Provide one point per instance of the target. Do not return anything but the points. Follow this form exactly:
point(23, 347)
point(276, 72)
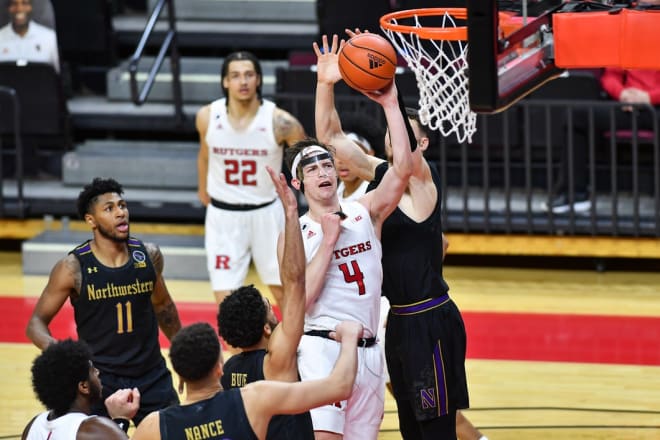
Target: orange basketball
point(367, 62)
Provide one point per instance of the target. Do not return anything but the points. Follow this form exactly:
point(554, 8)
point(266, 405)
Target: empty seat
point(44, 119)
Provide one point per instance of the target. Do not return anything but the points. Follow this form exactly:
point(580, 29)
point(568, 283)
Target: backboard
point(509, 58)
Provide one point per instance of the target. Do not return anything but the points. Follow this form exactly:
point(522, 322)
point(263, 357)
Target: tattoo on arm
point(283, 126)
point(168, 319)
point(156, 257)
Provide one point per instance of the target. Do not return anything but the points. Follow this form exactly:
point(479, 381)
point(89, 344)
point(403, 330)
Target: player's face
point(95, 385)
point(344, 172)
point(388, 143)
point(271, 318)
point(111, 217)
point(320, 177)
point(242, 80)
point(20, 12)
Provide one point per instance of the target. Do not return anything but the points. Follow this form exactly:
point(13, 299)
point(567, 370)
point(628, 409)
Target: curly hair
point(242, 317)
point(195, 350)
point(57, 371)
point(90, 192)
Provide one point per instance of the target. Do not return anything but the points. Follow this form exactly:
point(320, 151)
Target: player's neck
point(317, 209)
point(240, 109)
point(202, 390)
point(109, 252)
point(351, 186)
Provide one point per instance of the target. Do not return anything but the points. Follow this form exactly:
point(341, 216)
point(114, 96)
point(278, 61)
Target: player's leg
point(465, 430)
point(225, 241)
point(316, 358)
point(366, 405)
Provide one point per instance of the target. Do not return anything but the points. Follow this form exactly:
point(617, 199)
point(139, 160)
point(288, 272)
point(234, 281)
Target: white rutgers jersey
point(237, 160)
point(354, 277)
point(61, 428)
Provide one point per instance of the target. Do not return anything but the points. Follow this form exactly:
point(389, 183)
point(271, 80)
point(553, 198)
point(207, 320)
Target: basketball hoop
point(440, 66)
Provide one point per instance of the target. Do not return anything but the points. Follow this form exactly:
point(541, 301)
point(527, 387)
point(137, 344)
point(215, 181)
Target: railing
point(499, 183)
point(169, 43)
point(19, 155)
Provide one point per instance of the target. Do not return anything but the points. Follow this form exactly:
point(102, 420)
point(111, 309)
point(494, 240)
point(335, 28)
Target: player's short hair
point(242, 317)
point(195, 350)
point(88, 196)
point(413, 114)
point(241, 55)
point(57, 371)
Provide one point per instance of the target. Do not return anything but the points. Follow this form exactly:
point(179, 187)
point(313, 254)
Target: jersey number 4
point(128, 328)
point(240, 172)
point(356, 277)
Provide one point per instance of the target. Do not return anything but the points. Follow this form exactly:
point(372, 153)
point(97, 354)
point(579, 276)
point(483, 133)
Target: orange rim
point(457, 33)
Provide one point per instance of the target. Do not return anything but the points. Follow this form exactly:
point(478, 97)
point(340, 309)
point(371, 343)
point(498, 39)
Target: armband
point(122, 423)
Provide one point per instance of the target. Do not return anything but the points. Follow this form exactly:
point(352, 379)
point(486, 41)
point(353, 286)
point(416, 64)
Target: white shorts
point(382, 322)
point(233, 238)
point(359, 417)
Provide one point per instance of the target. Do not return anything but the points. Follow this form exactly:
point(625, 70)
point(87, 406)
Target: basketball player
point(413, 283)
point(343, 276)
point(241, 413)
point(115, 285)
point(67, 383)
point(239, 135)
point(268, 349)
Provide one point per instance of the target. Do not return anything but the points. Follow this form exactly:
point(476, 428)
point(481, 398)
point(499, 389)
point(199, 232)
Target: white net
point(440, 69)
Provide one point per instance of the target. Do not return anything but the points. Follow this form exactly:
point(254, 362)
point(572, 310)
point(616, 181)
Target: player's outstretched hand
point(327, 67)
point(284, 192)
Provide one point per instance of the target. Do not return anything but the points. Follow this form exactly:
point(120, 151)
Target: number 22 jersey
point(237, 159)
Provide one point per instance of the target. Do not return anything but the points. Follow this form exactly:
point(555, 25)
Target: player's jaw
point(119, 231)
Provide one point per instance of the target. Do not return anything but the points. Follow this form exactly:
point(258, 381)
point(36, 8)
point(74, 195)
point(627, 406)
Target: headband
point(304, 152)
point(362, 142)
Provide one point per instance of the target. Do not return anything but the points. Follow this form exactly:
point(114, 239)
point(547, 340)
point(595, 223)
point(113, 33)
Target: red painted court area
point(491, 335)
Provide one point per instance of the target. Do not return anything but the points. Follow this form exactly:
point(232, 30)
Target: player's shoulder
point(96, 427)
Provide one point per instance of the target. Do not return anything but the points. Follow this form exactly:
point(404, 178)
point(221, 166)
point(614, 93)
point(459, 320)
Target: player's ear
point(296, 183)
point(83, 387)
point(423, 143)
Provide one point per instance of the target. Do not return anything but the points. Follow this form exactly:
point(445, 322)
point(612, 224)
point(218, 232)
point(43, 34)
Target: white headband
point(304, 152)
point(362, 142)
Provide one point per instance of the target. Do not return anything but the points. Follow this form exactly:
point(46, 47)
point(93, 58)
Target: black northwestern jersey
point(114, 314)
point(244, 368)
point(219, 417)
point(408, 244)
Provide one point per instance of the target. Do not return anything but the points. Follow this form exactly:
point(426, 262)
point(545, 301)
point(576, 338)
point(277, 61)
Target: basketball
point(367, 62)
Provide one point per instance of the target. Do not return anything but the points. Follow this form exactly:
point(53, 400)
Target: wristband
point(122, 423)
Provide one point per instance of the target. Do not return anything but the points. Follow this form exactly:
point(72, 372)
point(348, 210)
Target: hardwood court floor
point(552, 354)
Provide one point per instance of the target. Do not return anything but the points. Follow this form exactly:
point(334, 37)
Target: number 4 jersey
point(114, 314)
point(237, 159)
point(353, 280)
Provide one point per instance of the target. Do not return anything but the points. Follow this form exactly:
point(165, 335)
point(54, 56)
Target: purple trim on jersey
point(440, 383)
point(84, 249)
point(419, 307)
point(133, 242)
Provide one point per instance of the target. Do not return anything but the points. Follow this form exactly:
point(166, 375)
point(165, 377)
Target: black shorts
point(425, 353)
point(156, 391)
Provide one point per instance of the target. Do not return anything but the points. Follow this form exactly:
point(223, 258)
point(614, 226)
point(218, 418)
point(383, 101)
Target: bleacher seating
point(44, 119)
